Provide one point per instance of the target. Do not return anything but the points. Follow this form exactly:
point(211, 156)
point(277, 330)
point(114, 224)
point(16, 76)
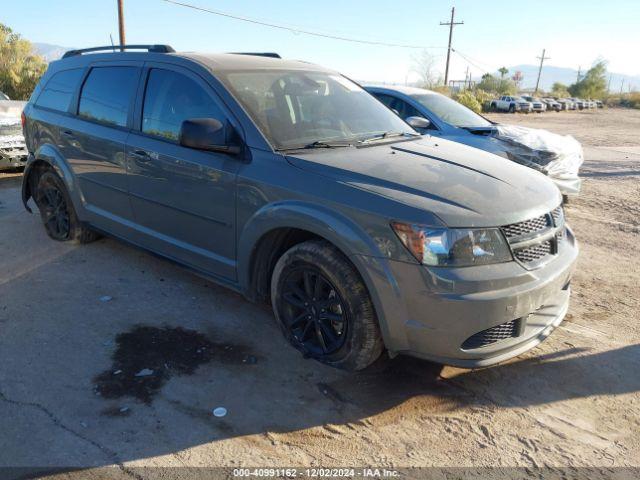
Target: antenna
point(113, 47)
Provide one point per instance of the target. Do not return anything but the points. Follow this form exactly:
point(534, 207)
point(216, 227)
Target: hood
point(463, 186)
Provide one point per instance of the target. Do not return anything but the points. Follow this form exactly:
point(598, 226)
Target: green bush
point(469, 100)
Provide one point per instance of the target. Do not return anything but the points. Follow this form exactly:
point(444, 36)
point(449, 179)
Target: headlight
point(453, 247)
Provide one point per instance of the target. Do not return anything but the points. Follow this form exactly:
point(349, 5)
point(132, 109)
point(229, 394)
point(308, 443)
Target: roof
point(212, 61)
point(232, 61)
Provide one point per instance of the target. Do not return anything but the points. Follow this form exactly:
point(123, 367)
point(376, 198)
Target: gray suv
point(287, 182)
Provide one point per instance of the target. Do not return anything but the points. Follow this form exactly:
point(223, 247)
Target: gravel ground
point(75, 324)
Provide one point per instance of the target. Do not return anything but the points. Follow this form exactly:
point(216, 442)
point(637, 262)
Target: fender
point(336, 228)
point(49, 154)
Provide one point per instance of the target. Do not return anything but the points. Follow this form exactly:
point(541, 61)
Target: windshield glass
point(297, 108)
point(450, 111)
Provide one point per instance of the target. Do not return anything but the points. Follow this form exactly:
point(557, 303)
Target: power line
point(450, 24)
point(295, 29)
point(471, 61)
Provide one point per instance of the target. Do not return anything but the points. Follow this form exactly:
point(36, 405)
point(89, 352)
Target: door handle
point(140, 155)
point(68, 134)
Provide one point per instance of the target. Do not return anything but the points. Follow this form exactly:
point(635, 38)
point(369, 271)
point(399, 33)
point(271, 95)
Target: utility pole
point(578, 77)
point(121, 24)
point(450, 24)
point(467, 75)
point(542, 59)
point(621, 86)
point(609, 83)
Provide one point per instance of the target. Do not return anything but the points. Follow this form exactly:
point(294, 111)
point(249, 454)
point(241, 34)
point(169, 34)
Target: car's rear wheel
point(512, 109)
point(56, 210)
point(324, 308)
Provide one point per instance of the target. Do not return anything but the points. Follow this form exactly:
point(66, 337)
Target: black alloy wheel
point(313, 312)
point(55, 212)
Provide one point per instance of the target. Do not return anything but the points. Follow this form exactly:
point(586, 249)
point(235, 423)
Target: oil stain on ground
point(146, 357)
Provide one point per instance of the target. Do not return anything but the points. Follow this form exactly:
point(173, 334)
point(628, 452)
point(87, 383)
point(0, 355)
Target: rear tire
point(512, 109)
point(56, 210)
point(324, 308)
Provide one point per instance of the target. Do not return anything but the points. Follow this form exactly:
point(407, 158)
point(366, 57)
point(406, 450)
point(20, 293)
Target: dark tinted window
point(386, 99)
point(106, 94)
point(172, 98)
point(59, 90)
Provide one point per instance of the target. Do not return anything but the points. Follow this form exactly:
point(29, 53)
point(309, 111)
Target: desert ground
point(72, 316)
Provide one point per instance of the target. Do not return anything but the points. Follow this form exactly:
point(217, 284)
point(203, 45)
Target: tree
point(424, 65)
point(593, 84)
point(500, 86)
point(559, 90)
point(503, 71)
point(20, 67)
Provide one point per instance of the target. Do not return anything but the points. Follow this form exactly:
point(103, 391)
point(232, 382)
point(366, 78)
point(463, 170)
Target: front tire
point(324, 308)
point(56, 210)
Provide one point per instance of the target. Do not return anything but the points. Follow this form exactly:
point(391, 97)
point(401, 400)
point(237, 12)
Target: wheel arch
point(276, 228)
point(47, 157)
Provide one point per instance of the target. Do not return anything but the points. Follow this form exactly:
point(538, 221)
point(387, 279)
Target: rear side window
point(106, 94)
point(172, 98)
point(59, 90)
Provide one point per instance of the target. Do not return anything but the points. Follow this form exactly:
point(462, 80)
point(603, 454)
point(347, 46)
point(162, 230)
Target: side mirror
point(207, 134)
point(418, 122)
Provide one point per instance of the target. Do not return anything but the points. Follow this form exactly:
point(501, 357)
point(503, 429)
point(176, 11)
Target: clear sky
point(495, 33)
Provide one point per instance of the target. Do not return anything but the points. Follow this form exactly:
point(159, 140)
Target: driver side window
point(170, 99)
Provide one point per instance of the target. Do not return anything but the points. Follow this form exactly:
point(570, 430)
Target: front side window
point(106, 95)
point(297, 108)
point(59, 90)
point(450, 111)
point(170, 99)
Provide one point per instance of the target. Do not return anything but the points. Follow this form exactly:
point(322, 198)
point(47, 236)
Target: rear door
point(94, 142)
point(183, 199)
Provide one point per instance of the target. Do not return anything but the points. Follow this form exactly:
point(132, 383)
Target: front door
point(183, 199)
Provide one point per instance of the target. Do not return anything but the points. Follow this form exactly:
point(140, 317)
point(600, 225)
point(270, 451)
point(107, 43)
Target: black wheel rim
point(313, 312)
point(56, 214)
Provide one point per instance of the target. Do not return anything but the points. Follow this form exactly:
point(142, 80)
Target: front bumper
point(13, 154)
point(440, 309)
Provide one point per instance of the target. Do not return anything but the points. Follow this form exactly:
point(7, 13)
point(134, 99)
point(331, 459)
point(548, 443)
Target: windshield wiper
point(385, 135)
point(323, 144)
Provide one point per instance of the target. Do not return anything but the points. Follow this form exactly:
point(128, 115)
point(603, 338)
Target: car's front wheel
point(57, 212)
point(324, 308)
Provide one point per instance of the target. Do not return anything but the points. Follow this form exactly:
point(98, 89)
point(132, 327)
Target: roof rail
point(116, 48)
point(258, 54)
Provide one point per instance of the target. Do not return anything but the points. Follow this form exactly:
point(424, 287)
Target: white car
point(512, 104)
point(537, 105)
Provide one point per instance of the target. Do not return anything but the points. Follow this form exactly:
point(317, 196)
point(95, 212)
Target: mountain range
point(551, 74)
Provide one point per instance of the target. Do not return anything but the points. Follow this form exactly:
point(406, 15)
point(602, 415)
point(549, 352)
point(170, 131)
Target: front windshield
point(294, 109)
point(450, 111)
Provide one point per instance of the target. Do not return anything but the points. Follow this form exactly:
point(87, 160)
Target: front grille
point(534, 252)
point(522, 237)
point(492, 335)
point(527, 227)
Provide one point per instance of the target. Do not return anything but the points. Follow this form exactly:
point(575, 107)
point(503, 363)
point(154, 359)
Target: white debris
point(219, 412)
point(145, 372)
point(559, 156)
point(106, 298)
point(117, 372)
point(124, 409)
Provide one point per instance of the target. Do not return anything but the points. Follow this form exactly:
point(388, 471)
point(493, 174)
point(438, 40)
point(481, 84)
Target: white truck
point(508, 103)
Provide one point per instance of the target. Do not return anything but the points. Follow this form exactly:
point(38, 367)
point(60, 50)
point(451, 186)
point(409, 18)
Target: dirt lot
point(71, 317)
